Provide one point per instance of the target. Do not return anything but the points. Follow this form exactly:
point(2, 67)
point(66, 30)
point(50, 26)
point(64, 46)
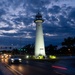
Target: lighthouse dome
point(39, 15)
point(38, 18)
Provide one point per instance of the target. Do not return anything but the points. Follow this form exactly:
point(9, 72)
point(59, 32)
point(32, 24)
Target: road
point(65, 66)
point(32, 68)
point(61, 67)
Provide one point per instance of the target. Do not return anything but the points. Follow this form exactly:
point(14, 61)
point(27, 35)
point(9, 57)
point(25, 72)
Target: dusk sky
point(17, 25)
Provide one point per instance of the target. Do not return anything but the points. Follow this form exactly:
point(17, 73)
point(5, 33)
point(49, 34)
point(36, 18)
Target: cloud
point(54, 10)
point(72, 14)
point(17, 18)
point(49, 35)
point(10, 31)
point(2, 12)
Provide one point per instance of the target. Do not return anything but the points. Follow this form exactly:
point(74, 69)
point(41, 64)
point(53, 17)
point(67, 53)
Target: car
point(15, 59)
point(4, 56)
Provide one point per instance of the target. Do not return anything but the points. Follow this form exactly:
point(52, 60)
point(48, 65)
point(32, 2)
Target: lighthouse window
point(41, 48)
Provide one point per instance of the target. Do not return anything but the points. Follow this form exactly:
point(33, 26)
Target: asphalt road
point(65, 66)
point(1, 72)
point(61, 67)
point(32, 68)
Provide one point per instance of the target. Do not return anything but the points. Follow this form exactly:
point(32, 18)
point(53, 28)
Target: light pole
point(20, 44)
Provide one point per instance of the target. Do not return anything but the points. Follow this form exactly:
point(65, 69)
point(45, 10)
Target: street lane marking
point(59, 73)
point(12, 71)
point(18, 73)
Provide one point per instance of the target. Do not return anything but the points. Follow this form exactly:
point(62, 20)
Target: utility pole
point(20, 44)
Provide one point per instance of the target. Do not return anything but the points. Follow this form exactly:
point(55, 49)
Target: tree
point(68, 42)
point(51, 49)
point(15, 51)
point(68, 46)
point(29, 49)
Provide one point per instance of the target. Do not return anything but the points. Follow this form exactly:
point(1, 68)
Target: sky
point(17, 25)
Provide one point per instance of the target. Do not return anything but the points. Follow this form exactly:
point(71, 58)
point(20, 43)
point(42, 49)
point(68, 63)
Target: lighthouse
point(39, 41)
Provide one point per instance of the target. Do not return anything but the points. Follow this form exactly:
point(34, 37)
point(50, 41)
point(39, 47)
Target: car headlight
point(9, 55)
point(12, 59)
point(20, 59)
point(2, 56)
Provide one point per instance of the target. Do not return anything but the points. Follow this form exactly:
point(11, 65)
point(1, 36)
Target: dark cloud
point(39, 3)
point(63, 21)
point(53, 18)
point(2, 12)
point(72, 14)
point(6, 28)
point(54, 10)
point(25, 20)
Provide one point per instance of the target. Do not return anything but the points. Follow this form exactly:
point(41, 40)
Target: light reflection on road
point(42, 68)
point(30, 68)
point(19, 68)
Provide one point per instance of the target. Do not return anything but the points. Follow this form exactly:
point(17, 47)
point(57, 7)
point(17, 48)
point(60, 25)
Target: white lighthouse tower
point(39, 41)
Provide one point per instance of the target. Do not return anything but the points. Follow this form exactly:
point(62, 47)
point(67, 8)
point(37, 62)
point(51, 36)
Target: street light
point(69, 50)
